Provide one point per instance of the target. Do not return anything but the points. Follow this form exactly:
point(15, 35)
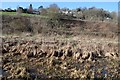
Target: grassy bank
point(22, 14)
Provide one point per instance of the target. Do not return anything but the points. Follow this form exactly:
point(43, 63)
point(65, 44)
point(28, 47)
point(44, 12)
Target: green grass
point(22, 14)
point(7, 13)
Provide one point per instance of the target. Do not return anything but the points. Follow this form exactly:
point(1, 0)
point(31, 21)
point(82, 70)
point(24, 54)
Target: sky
point(109, 6)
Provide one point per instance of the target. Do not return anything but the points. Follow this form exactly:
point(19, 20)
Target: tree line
point(55, 12)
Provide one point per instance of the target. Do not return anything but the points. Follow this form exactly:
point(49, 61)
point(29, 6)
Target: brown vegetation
point(13, 24)
point(29, 59)
point(60, 49)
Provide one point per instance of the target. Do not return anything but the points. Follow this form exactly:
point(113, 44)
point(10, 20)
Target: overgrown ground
point(61, 53)
point(35, 57)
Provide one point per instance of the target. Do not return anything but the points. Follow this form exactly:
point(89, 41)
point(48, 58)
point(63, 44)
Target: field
point(22, 14)
point(81, 50)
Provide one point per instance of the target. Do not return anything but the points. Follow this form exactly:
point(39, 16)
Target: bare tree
point(53, 8)
point(19, 10)
point(43, 11)
point(30, 10)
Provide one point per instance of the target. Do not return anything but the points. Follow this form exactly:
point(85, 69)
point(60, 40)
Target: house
point(36, 12)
